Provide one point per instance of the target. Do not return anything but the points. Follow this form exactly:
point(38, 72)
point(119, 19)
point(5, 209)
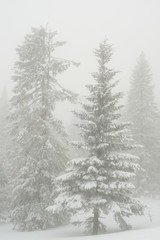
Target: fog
point(54, 174)
point(131, 26)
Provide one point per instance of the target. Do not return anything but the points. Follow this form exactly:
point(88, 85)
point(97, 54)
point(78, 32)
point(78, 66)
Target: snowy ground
point(143, 229)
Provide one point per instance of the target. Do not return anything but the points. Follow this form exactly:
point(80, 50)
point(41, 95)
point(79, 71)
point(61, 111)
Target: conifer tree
point(40, 139)
point(100, 183)
point(142, 111)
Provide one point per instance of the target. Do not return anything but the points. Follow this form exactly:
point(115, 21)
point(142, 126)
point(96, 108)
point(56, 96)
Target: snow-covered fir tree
point(142, 111)
point(39, 137)
point(100, 183)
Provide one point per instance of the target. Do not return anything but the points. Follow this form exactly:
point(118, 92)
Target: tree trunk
point(95, 221)
point(122, 224)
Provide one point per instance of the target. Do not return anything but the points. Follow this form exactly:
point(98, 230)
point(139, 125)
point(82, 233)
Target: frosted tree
point(142, 111)
point(100, 183)
point(40, 139)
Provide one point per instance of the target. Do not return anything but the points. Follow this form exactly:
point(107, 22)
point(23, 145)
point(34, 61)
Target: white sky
point(131, 26)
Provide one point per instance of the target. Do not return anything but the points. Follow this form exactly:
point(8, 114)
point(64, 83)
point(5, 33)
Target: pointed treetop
point(104, 52)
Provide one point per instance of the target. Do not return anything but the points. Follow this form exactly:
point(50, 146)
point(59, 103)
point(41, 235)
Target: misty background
point(61, 170)
point(131, 26)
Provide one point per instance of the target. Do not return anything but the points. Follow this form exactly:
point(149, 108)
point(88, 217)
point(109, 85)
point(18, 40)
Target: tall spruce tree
point(100, 183)
point(39, 137)
point(142, 111)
